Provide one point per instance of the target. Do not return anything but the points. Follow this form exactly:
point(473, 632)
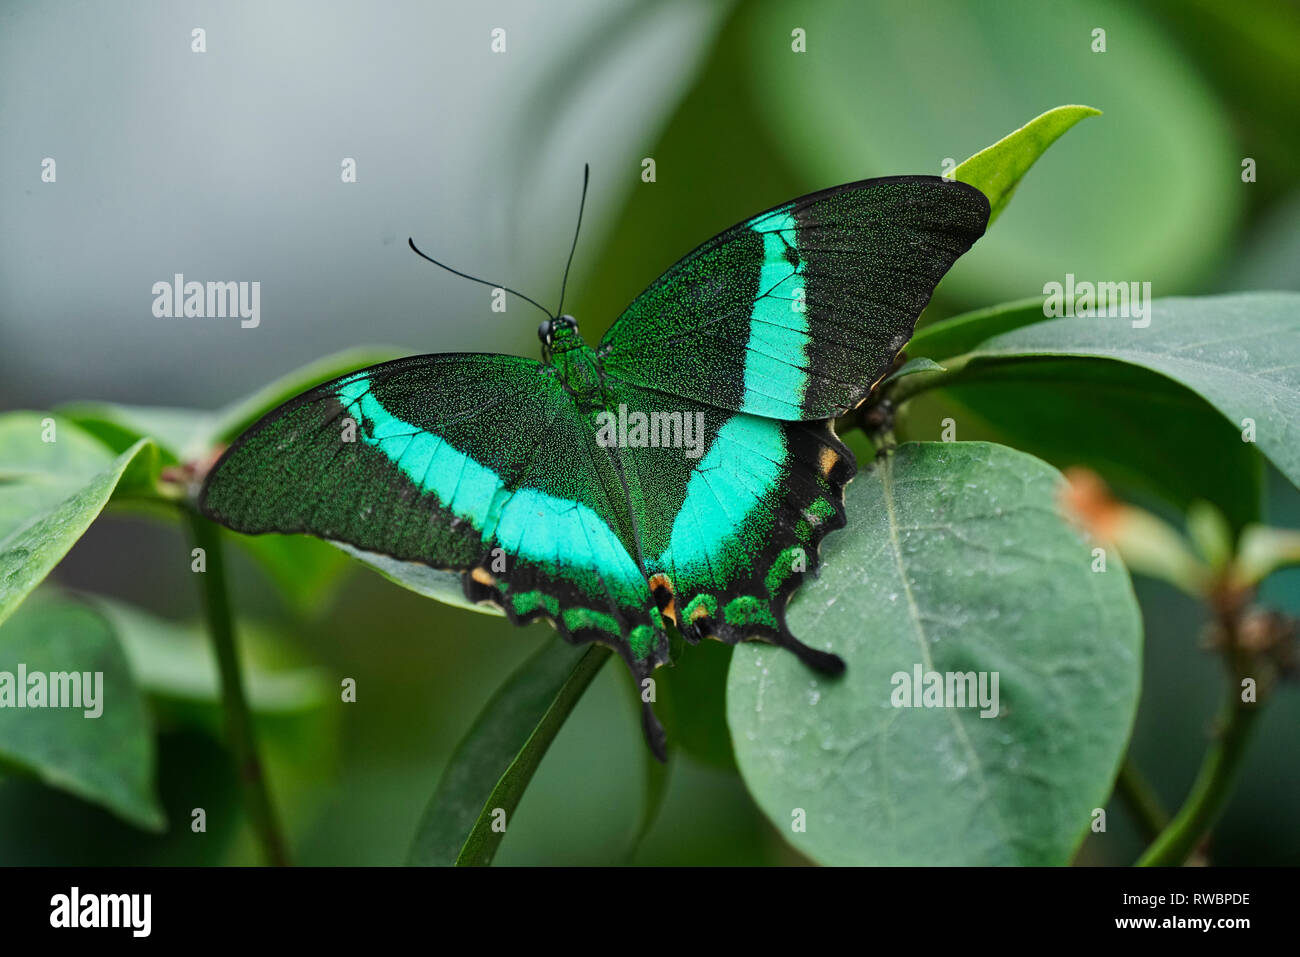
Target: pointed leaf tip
point(997, 170)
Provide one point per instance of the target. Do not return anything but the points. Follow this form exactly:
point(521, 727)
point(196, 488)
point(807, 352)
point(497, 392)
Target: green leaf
point(1112, 418)
point(430, 582)
point(1264, 550)
point(107, 759)
point(234, 419)
point(961, 334)
point(955, 559)
point(173, 660)
point(997, 170)
point(691, 703)
point(1151, 546)
point(657, 776)
point(188, 434)
point(179, 433)
point(912, 367)
point(1210, 532)
point(304, 569)
point(495, 761)
point(50, 493)
point(1241, 353)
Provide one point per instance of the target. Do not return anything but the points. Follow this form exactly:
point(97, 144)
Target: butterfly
point(682, 472)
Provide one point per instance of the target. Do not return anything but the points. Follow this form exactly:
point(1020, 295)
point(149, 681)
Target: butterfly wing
point(731, 509)
point(475, 463)
point(797, 313)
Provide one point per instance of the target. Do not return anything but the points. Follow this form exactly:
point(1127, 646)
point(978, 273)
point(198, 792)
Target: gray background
point(225, 165)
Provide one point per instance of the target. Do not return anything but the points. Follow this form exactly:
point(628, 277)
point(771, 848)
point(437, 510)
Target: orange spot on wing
point(829, 459)
point(661, 580)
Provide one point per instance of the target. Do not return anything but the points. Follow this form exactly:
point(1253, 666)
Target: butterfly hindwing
point(730, 517)
point(476, 463)
point(797, 313)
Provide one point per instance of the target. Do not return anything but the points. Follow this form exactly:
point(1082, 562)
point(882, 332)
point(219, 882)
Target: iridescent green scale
point(680, 474)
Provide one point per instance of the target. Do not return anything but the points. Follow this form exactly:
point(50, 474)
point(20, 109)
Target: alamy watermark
point(946, 689)
point(652, 430)
point(54, 689)
point(1127, 300)
point(133, 912)
point(179, 299)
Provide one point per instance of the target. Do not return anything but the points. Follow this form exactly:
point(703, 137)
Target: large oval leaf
point(959, 334)
point(1110, 417)
point(1241, 353)
point(955, 560)
point(100, 750)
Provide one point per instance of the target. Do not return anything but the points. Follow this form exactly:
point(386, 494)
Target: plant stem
point(234, 702)
point(1141, 800)
point(1212, 787)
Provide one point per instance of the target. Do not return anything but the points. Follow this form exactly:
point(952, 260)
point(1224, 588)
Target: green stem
point(234, 702)
point(1141, 800)
point(885, 440)
point(1212, 787)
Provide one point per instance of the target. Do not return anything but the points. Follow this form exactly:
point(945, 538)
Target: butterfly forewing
point(798, 312)
point(476, 463)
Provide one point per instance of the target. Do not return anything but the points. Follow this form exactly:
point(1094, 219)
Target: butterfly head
point(559, 334)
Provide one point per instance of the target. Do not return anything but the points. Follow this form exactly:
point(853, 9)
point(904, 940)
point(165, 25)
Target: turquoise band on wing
point(724, 493)
point(527, 522)
point(743, 462)
point(776, 356)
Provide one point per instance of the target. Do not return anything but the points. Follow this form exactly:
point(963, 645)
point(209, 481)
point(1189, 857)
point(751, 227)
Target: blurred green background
point(225, 165)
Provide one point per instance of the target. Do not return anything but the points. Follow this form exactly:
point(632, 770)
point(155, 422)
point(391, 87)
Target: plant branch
point(1213, 785)
point(1141, 799)
point(234, 702)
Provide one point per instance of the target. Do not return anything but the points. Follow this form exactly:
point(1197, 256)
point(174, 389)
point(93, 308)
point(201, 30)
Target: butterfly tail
point(655, 737)
point(824, 662)
point(654, 732)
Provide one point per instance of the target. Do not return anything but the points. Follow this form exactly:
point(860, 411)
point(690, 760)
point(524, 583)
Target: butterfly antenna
point(465, 275)
point(586, 176)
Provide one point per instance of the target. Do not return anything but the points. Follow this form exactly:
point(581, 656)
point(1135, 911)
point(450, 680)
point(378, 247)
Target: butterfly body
point(575, 362)
point(681, 473)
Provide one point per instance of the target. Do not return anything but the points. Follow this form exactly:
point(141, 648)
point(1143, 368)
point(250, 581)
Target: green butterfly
point(683, 471)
